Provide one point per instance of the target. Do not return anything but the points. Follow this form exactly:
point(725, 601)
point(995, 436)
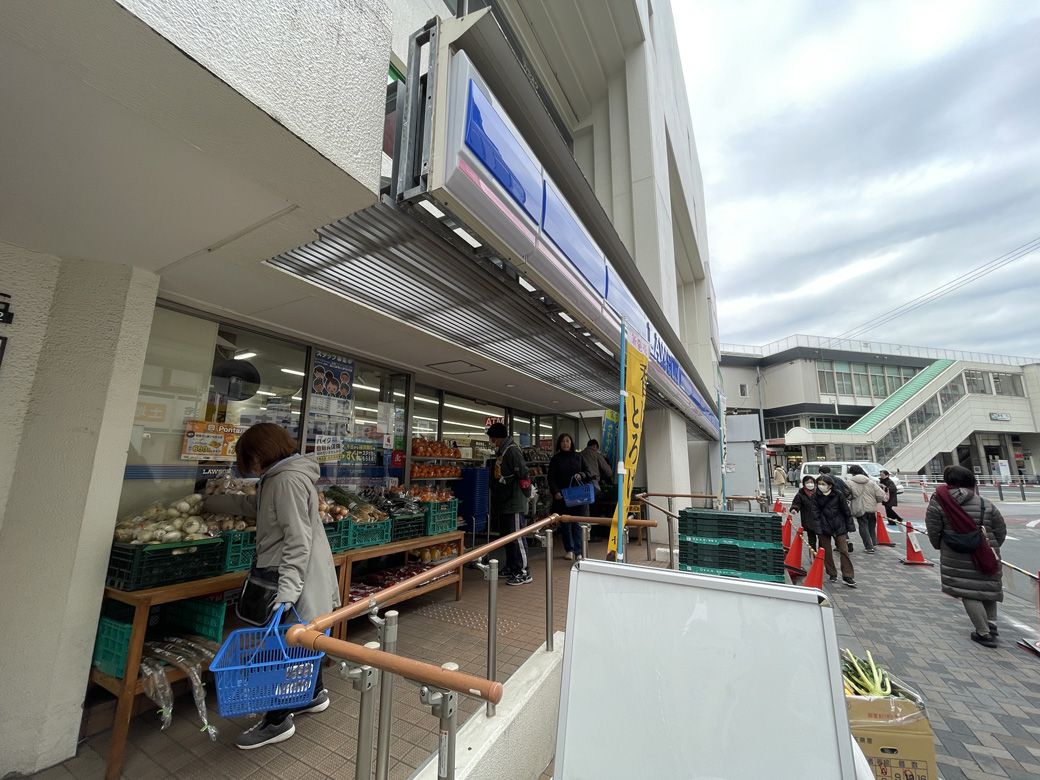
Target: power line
point(944, 289)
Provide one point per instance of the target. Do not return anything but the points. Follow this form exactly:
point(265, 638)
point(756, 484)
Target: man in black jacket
point(893, 498)
point(843, 490)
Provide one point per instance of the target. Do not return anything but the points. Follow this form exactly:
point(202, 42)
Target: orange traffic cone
point(883, 538)
point(785, 538)
point(913, 549)
point(778, 507)
point(924, 494)
point(793, 561)
point(815, 578)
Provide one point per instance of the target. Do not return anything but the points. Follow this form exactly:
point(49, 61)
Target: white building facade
point(192, 187)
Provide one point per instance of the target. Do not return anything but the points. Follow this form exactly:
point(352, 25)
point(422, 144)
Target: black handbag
point(969, 542)
point(257, 599)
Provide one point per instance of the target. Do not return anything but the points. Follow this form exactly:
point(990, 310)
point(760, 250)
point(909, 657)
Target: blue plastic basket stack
point(472, 492)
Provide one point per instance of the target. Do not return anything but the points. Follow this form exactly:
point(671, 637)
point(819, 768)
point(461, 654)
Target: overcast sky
point(857, 154)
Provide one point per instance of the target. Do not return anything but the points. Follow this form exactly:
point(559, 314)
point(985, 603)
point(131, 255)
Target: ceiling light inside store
point(543, 425)
point(293, 371)
point(467, 237)
point(434, 211)
point(526, 284)
point(480, 428)
point(265, 392)
point(585, 333)
point(467, 409)
point(245, 355)
point(297, 398)
point(358, 386)
point(366, 409)
point(566, 317)
point(510, 384)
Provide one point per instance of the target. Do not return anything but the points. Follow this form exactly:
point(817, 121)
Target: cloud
point(858, 155)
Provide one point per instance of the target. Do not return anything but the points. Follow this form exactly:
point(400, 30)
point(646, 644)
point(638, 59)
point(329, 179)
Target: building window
point(923, 416)
point(977, 382)
point(952, 393)
point(1007, 384)
point(843, 378)
point(830, 422)
point(778, 428)
point(877, 382)
point(892, 443)
point(826, 380)
point(860, 380)
point(743, 389)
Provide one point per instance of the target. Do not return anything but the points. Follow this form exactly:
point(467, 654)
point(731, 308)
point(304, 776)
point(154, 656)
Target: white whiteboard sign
point(675, 675)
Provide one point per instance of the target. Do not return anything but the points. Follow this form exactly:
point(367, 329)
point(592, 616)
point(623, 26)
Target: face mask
point(810, 486)
point(825, 489)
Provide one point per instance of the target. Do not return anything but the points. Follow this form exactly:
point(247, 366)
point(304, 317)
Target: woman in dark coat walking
point(834, 524)
point(893, 498)
point(565, 465)
point(974, 576)
point(803, 505)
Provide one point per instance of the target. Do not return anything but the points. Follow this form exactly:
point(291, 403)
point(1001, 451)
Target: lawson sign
point(490, 171)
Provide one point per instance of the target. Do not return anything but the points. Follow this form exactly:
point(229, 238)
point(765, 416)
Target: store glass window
point(951, 393)
point(425, 409)
point(977, 382)
point(202, 385)
point(466, 420)
point(924, 416)
point(546, 432)
point(523, 428)
point(1007, 384)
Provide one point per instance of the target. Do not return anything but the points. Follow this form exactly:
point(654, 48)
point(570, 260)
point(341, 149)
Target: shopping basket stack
point(731, 544)
point(472, 492)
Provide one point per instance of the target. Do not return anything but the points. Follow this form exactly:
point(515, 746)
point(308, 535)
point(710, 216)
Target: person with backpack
point(866, 495)
point(510, 485)
point(968, 532)
point(842, 490)
point(834, 524)
point(803, 505)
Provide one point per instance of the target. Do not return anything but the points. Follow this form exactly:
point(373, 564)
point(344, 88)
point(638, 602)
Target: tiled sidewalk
point(983, 704)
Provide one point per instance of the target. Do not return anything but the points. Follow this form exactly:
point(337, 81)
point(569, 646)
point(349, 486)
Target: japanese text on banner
point(635, 402)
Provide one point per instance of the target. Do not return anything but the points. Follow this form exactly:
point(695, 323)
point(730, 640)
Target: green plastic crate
point(407, 527)
point(202, 617)
point(744, 575)
point(239, 549)
point(441, 517)
point(731, 554)
point(367, 534)
point(111, 646)
point(745, 526)
point(339, 535)
point(137, 566)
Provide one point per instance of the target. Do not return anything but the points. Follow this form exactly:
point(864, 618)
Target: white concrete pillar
point(70, 380)
point(667, 462)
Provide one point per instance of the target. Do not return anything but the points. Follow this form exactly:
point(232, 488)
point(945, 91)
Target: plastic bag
point(157, 688)
point(191, 657)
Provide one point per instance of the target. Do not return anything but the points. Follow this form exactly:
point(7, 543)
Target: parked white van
point(841, 469)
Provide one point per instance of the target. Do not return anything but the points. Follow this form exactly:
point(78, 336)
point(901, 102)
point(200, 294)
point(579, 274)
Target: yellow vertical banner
point(637, 365)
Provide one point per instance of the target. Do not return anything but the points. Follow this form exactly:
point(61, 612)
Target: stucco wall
point(318, 67)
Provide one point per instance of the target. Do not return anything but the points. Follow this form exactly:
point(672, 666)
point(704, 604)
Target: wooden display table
point(130, 686)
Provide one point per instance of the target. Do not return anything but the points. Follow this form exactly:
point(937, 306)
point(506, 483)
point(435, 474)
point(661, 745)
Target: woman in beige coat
point(290, 541)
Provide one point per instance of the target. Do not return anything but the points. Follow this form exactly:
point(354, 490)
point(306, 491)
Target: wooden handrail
point(635, 522)
point(489, 690)
point(702, 496)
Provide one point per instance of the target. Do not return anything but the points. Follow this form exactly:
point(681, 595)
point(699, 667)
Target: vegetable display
point(863, 677)
point(184, 519)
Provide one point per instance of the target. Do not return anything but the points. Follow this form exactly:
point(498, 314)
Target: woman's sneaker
point(850, 582)
point(264, 733)
point(568, 556)
point(986, 640)
point(520, 578)
point(319, 703)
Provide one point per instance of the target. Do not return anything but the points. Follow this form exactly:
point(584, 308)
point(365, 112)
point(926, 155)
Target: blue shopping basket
point(578, 495)
point(256, 671)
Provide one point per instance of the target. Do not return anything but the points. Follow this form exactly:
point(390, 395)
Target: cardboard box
point(895, 735)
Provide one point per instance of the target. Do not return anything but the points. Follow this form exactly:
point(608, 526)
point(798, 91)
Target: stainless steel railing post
point(492, 648)
point(365, 679)
point(586, 529)
point(444, 704)
point(548, 589)
point(671, 533)
point(388, 634)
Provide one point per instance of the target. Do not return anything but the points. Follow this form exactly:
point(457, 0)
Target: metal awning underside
point(386, 258)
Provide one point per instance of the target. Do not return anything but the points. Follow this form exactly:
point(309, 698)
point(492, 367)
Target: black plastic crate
point(137, 566)
point(760, 557)
point(408, 527)
point(743, 526)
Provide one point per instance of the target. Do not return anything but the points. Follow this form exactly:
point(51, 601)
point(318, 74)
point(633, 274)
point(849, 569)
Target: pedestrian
point(866, 495)
point(792, 475)
point(891, 500)
point(834, 524)
point(779, 480)
point(803, 505)
point(291, 546)
point(968, 532)
point(567, 469)
point(597, 466)
point(842, 490)
point(510, 490)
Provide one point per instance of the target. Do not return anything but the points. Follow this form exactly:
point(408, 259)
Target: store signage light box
point(485, 157)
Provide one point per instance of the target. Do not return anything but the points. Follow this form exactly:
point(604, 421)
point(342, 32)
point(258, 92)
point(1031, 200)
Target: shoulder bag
point(971, 541)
